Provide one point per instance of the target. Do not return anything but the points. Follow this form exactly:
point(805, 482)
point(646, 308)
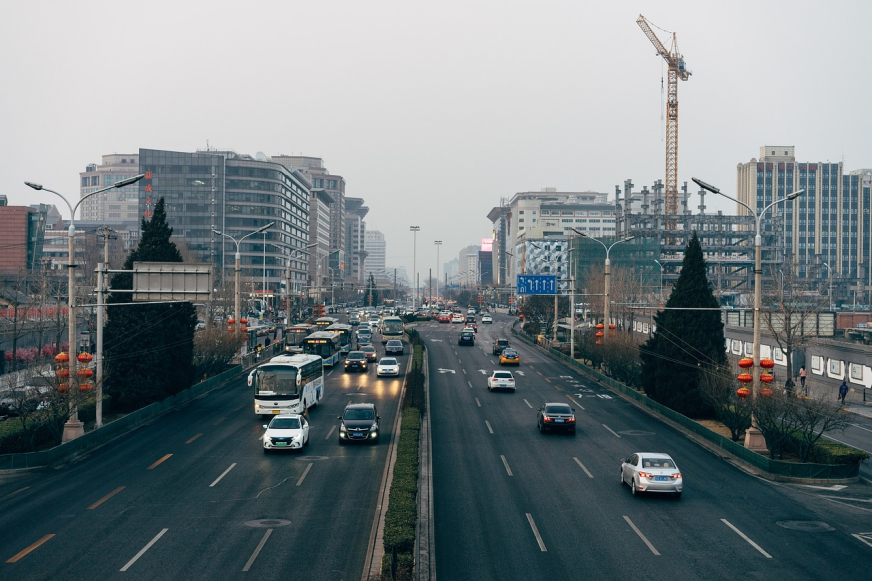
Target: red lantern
point(243, 321)
point(85, 373)
point(613, 327)
point(767, 378)
point(600, 326)
point(244, 329)
point(599, 342)
point(231, 321)
point(746, 362)
point(62, 358)
point(767, 363)
point(600, 334)
point(745, 377)
point(63, 388)
point(63, 373)
point(743, 392)
point(85, 357)
point(230, 329)
point(86, 387)
point(766, 392)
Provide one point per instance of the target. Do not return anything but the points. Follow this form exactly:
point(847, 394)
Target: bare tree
point(14, 323)
point(214, 349)
point(718, 388)
point(620, 358)
point(815, 416)
point(773, 415)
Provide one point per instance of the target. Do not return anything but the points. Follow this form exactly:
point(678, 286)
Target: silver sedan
point(651, 472)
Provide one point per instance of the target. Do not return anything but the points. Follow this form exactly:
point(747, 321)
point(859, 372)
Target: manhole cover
point(268, 523)
point(809, 526)
point(635, 433)
point(310, 458)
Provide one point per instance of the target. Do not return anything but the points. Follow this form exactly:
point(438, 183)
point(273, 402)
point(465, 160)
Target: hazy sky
point(432, 111)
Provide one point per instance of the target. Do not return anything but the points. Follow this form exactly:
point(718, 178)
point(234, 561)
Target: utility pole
point(107, 234)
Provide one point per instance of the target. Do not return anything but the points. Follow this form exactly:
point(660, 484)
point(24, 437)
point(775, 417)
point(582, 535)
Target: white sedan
point(651, 472)
point(387, 366)
point(501, 380)
point(487, 319)
point(286, 432)
point(458, 318)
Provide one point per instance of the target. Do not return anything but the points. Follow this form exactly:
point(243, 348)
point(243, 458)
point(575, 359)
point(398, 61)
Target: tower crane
point(677, 70)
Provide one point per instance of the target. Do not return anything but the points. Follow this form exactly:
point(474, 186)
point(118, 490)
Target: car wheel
point(541, 429)
point(633, 488)
point(489, 388)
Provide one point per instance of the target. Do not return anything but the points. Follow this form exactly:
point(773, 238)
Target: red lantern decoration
point(230, 329)
point(600, 326)
point(745, 377)
point(599, 342)
point(85, 373)
point(767, 363)
point(231, 321)
point(63, 388)
point(86, 387)
point(743, 392)
point(746, 362)
point(767, 378)
point(85, 357)
point(600, 334)
point(766, 392)
point(243, 321)
point(245, 329)
point(613, 327)
point(62, 358)
point(63, 373)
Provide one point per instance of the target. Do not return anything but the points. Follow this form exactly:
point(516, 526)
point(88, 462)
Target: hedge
point(14, 439)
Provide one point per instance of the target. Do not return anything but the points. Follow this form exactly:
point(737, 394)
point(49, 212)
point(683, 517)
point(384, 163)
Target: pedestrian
point(843, 391)
point(802, 374)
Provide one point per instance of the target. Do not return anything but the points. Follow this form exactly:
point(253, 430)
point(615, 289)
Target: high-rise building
point(376, 250)
point(355, 235)
point(121, 204)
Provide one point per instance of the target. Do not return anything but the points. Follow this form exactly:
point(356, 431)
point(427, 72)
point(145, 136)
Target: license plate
point(277, 411)
point(281, 443)
point(356, 435)
point(661, 478)
point(559, 421)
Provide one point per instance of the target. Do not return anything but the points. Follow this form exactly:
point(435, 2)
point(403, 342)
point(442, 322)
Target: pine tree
point(686, 342)
point(149, 348)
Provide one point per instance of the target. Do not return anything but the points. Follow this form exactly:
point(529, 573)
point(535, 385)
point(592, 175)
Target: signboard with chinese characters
point(539, 284)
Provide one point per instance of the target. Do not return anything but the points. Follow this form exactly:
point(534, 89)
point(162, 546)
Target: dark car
point(370, 353)
point(466, 338)
point(359, 423)
point(394, 347)
point(499, 345)
point(556, 417)
point(356, 361)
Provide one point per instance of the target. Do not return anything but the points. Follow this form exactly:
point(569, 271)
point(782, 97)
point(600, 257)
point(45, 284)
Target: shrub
point(402, 514)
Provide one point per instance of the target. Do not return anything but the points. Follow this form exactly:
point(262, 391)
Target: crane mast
point(677, 70)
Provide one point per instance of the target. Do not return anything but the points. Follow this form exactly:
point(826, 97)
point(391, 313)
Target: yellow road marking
point(29, 549)
point(107, 497)
point(548, 380)
point(194, 438)
point(156, 464)
point(219, 421)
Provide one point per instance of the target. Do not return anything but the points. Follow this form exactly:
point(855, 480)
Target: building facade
point(116, 205)
point(376, 256)
point(22, 231)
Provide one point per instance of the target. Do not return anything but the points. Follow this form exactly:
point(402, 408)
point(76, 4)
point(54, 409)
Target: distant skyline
point(431, 111)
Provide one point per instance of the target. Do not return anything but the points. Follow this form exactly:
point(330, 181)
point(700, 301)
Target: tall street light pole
point(753, 437)
point(237, 242)
point(73, 428)
point(830, 277)
point(438, 243)
point(661, 278)
point(414, 230)
point(608, 276)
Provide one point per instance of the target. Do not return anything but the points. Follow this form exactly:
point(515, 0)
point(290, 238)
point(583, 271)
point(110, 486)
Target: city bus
point(324, 322)
point(346, 335)
point(324, 344)
point(392, 328)
point(287, 384)
point(293, 337)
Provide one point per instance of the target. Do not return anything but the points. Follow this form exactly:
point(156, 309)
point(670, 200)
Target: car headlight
point(341, 427)
point(373, 428)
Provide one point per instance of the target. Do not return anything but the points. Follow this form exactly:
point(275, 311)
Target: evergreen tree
point(149, 348)
point(686, 342)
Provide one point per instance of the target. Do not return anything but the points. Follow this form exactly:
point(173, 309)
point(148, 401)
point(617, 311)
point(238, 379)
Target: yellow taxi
point(510, 357)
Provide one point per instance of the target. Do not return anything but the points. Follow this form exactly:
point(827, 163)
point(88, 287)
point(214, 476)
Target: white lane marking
point(603, 396)
point(143, 550)
point(536, 533)
point(330, 433)
point(521, 373)
point(750, 542)
point(861, 427)
point(586, 471)
point(464, 372)
point(489, 428)
point(478, 403)
point(834, 487)
point(528, 404)
point(451, 371)
point(257, 550)
point(846, 444)
point(581, 407)
point(306, 471)
point(506, 464)
point(611, 430)
point(469, 383)
point(223, 474)
point(641, 536)
point(482, 371)
point(863, 538)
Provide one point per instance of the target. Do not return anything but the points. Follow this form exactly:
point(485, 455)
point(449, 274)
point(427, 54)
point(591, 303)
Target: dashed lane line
point(586, 471)
point(306, 471)
point(143, 550)
point(26, 551)
point(223, 474)
point(330, 433)
point(256, 552)
point(107, 497)
point(641, 536)
point(159, 462)
point(489, 428)
point(536, 533)
point(611, 430)
point(478, 403)
point(506, 464)
point(581, 407)
point(528, 404)
point(194, 438)
point(744, 536)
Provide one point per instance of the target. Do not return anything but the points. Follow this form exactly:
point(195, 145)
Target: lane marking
point(306, 471)
point(750, 542)
point(223, 474)
point(846, 444)
point(219, 421)
point(469, 382)
point(24, 552)
point(506, 464)
point(159, 462)
point(11, 494)
point(528, 404)
point(546, 379)
point(586, 471)
point(576, 403)
point(641, 536)
point(257, 550)
point(477, 402)
point(540, 373)
point(536, 533)
point(330, 433)
point(861, 427)
point(611, 430)
point(143, 550)
point(464, 372)
point(194, 438)
point(107, 497)
point(863, 538)
point(489, 428)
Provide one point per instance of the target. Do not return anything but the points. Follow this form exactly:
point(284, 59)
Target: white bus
point(287, 384)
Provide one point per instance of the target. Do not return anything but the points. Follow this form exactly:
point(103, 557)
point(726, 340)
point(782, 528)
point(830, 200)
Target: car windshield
point(657, 463)
point(368, 349)
point(502, 342)
point(558, 409)
point(503, 375)
point(394, 343)
point(355, 355)
point(386, 361)
point(509, 353)
point(359, 414)
point(285, 424)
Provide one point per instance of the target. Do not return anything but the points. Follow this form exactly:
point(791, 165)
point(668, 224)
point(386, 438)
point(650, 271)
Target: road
point(510, 503)
point(192, 496)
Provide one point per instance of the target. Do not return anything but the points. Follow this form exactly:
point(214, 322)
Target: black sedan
point(356, 361)
point(556, 417)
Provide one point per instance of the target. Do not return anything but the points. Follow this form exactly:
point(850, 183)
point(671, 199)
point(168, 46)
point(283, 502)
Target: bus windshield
point(392, 326)
point(279, 382)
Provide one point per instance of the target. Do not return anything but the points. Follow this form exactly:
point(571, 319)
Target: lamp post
point(73, 428)
point(237, 242)
point(414, 230)
point(608, 275)
point(288, 275)
point(753, 438)
point(830, 277)
point(438, 243)
point(661, 278)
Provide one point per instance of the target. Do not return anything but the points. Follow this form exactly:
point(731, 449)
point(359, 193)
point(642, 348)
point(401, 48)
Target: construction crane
point(677, 70)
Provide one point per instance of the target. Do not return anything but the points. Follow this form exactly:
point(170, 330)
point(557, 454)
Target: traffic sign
point(538, 284)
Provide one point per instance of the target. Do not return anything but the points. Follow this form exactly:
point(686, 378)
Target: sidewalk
point(853, 403)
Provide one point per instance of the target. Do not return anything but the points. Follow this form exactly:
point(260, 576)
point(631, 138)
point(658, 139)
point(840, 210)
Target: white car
point(286, 432)
point(387, 366)
point(651, 472)
point(487, 319)
point(501, 380)
point(458, 318)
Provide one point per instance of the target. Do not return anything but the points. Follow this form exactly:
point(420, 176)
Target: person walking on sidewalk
point(802, 374)
point(843, 391)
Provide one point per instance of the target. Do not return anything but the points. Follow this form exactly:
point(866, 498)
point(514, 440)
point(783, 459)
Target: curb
point(425, 535)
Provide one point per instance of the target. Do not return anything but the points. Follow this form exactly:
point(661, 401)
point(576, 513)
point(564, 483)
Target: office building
point(22, 231)
point(116, 205)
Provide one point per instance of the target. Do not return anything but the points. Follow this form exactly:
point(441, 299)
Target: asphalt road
point(192, 496)
point(510, 503)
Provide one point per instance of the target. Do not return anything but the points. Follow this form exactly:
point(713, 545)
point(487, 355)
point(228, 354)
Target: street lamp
point(661, 279)
point(438, 243)
point(753, 438)
point(830, 277)
point(237, 242)
point(414, 230)
point(607, 274)
point(73, 428)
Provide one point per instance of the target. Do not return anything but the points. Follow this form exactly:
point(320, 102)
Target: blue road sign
point(538, 284)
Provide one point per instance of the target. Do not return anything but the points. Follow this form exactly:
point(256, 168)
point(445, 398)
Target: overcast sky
point(432, 111)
